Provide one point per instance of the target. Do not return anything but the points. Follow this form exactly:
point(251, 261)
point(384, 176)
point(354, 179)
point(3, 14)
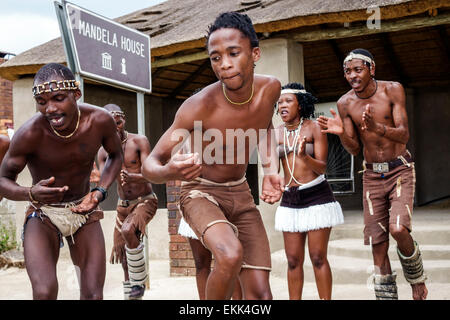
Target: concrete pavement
point(346, 254)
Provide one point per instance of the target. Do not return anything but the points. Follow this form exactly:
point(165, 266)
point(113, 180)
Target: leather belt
point(383, 167)
point(127, 203)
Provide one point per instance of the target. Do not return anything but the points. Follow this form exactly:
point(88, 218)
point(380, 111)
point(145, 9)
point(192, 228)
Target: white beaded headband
point(353, 55)
point(294, 91)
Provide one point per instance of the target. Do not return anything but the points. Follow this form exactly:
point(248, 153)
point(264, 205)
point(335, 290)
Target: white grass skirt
point(306, 219)
point(185, 230)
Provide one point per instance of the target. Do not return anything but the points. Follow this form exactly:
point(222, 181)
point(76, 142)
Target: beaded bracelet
point(31, 196)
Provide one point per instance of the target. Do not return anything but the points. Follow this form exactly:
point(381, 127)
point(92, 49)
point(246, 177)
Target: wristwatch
point(102, 190)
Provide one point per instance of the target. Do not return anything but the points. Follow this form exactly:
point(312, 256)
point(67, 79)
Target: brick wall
point(6, 108)
point(180, 254)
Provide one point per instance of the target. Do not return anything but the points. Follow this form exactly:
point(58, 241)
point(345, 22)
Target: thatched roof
point(173, 24)
point(181, 25)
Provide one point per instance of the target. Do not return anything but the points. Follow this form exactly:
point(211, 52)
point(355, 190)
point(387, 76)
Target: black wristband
point(102, 190)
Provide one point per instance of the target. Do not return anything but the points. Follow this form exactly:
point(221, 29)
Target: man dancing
point(59, 144)
point(215, 198)
point(373, 114)
point(136, 206)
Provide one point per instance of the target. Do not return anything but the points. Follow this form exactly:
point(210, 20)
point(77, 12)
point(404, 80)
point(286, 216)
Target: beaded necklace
point(292, 147)
point(238, 103)
point(68, 136)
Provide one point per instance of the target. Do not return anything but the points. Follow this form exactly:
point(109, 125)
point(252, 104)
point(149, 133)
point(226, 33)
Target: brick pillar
point(180, 254)
point(7, 207)
point(6, 105)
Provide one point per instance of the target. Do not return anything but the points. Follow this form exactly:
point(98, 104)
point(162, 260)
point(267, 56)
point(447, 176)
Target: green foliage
point(7, 237)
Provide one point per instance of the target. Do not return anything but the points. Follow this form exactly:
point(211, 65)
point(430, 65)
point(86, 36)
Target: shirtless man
point(59, 145)
point(4, 145)
point(215, 198)
point(136, 206)
point(373, 114)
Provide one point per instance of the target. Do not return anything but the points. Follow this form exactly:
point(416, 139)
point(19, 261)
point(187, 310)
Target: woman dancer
point(308, 208)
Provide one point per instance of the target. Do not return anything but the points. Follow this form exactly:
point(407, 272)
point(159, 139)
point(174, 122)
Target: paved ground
point(15, 285)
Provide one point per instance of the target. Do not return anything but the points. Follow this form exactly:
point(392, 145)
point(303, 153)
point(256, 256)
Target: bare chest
point(131, 154)
point(380, 111)
point(54, 154)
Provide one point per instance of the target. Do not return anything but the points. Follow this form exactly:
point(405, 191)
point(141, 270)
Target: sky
point(25, 24)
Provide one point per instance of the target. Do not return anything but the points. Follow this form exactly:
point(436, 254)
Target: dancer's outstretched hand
point(272, 188)
point(332, 125)
point(89, 203)
point(43, 192)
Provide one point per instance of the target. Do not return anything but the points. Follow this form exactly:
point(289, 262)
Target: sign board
point(323, 109)
point(107, 51)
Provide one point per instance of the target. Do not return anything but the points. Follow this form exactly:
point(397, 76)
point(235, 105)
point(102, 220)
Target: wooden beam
point(309, 87)
point(181, 59)
point(385, 26)
point(189, 79)
point(445, 42)
point(393, 60)
point(156, 73)
point(337, 52)
point(340, 56)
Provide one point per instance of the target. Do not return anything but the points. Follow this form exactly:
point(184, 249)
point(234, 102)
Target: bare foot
point(420, 291)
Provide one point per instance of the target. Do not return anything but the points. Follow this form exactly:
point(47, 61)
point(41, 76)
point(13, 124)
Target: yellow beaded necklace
point(238, 103)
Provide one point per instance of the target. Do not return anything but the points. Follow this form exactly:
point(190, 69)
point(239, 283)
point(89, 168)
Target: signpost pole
point(79, 78)
point(140, 113)
point(141, 130)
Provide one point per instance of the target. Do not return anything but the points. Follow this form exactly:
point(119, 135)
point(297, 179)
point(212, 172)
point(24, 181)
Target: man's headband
point(53, 85)
point(353, 55)
point(294, 91)
point(117, 113)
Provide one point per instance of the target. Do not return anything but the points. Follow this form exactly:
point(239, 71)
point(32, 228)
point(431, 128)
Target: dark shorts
point(142, 208)
point(139, 213)
point(203, 204)
point(387, 199)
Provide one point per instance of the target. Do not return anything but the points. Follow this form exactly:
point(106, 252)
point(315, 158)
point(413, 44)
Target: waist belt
point(383, 167)
point(213, 183)
point(127, 203)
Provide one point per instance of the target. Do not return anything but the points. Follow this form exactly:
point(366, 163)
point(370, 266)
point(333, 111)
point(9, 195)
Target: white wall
point(283, 59)
point(24, 107)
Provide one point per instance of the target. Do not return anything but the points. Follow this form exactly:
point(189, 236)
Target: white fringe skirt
point(310, 208)
point(185, 230)
point(312, 218)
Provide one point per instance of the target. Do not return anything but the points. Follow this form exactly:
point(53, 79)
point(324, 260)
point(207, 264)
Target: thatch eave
point(169, 43)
